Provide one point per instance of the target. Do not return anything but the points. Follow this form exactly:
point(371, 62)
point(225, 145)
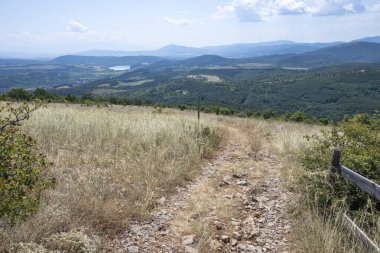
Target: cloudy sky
point(55, 26)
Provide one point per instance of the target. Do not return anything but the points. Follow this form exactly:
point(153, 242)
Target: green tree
point(268, 114)
point(19, 94)
point(72, 98)
point(298, 116)
point(42, 94)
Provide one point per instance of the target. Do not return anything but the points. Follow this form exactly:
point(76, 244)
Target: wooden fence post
point(335, 167)
point(335, 162)
point(199, 109)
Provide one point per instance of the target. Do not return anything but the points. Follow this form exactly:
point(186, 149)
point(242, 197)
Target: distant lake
point(120, 68)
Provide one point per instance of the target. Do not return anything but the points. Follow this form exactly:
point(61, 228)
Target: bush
point(22, 168)
point(225, 111)
point(241, 115)
point(298, 116)
point(19, 94)
point(210, 140)
point(42, 94)
point(359, 140)
point(268, 114)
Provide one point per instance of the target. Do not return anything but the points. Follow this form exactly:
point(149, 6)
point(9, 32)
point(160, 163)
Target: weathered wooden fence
point(363, 183)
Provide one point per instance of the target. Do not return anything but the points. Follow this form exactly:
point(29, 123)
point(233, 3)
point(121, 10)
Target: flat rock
point(237, 235)
point(133, 249)
point(242, 246)
point(188, 240)
point(242, 182)
point(254, 233)
point(189, 249)
point(215, 245)
point(225, 238)
point(161, 201)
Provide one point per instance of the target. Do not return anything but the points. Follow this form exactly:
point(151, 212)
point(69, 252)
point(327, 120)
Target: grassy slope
point(110, 165)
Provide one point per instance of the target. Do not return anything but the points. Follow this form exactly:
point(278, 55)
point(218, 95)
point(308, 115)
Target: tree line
point(19, 94)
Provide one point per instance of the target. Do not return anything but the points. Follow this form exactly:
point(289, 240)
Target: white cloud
point(376, 7)
point(259, 10)
point(290, 7)
point(76, 27)
point(175, 21)
point(244, 10)
point(338, 7)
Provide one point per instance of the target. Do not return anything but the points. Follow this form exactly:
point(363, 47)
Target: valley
point(330, 81)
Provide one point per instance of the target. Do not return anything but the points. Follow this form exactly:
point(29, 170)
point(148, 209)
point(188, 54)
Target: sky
point(69, 26)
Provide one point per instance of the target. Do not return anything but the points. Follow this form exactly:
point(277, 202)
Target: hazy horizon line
point(31, 55)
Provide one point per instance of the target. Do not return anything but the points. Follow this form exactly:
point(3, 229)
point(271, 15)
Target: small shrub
point(210, 140)
point(268, 114)
point(225, 111)
point(298, 116)
point(73, 241)
point(241, 115)
point(22, 168)
point(29, 248)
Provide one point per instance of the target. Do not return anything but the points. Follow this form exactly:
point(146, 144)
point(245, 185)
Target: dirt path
point(237, 204)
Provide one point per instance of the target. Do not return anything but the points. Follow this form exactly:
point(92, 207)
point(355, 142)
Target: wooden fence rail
point(363, 183)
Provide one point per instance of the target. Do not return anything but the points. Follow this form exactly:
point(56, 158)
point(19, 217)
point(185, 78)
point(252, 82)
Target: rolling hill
point(233, 50)
point(354, 52)
point(374, 39)
point(360, 52)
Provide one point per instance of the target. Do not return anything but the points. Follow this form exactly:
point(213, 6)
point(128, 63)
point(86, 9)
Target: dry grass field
point(112, 164)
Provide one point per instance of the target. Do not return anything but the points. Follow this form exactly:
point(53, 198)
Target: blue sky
point(65, 26)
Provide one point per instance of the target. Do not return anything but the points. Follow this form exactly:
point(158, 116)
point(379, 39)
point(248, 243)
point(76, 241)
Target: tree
point(19, 94)
point(268, 114)
point(298, 116)
point(71, 98)
point(42, 94)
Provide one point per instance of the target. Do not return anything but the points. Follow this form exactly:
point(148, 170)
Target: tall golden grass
point(109, 164)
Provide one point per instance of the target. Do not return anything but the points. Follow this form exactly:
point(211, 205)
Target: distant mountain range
point(375, 39)
point(230, 51)
point(354, 52)
point(276, 53)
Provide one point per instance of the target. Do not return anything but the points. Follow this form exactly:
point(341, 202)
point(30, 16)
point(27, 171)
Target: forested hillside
point(325, 92)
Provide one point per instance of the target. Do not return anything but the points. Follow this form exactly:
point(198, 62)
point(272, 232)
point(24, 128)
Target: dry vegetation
point(109, 165)
point(313, 230)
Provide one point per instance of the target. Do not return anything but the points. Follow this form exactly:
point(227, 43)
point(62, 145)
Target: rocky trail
point(237, 204)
